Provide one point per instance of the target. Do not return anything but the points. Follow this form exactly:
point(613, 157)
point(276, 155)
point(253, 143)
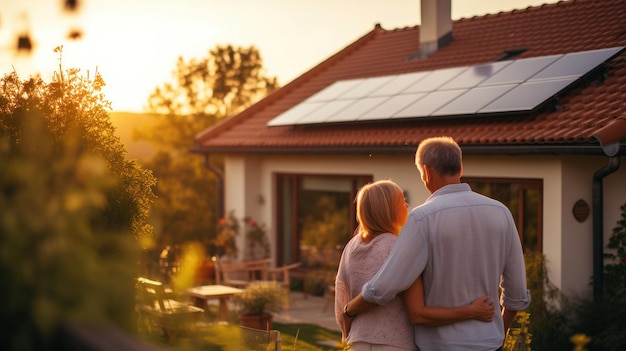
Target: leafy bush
point(603, 319)
point(555, 318)
point(70, 210)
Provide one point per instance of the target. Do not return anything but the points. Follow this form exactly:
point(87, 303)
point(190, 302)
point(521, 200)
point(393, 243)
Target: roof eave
point(591, 149)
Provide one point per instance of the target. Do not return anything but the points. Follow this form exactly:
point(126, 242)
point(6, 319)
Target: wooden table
point(201, 295)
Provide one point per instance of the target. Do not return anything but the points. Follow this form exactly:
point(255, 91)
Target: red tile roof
point(563, 27)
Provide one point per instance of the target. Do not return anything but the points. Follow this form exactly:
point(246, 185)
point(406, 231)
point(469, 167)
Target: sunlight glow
point(135, 44)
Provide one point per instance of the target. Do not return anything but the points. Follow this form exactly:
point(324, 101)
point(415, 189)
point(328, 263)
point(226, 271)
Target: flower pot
point(262, 322)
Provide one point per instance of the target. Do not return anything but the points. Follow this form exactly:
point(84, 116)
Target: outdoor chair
point(282, 275)
point(260, 340)
point(241, 274)
point(160, 314)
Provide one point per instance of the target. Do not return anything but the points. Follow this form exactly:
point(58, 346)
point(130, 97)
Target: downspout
point(220, 185)
point(598, 227)
point(609, 137)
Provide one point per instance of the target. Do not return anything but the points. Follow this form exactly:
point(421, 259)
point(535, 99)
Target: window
point(316, 217)
point(524, 198)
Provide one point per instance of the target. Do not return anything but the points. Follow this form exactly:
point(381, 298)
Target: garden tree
point(204, 92)
point(74, 106)
point(183, 206)
point(72, 211)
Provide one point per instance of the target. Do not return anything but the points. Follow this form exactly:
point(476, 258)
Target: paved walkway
point(309, 309)
point(303, 309)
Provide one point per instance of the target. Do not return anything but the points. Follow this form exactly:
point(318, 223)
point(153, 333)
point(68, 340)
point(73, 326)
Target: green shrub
point(602, 318)
point(554, 319)
point(71, 209)
point(262, 297)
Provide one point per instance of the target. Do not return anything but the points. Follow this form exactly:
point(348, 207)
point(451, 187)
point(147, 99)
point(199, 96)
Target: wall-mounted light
point(581, 210)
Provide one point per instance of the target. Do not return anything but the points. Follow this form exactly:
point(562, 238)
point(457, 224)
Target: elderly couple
point(429, 279)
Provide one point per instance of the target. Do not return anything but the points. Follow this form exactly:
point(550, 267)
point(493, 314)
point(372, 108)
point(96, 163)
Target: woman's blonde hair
point(376, 208)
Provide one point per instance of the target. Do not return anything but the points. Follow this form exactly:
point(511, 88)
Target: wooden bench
point(282, 275)
point(241, 274)
point(160, 313)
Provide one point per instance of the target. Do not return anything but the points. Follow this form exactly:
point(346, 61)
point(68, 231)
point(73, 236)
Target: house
point(536, 97)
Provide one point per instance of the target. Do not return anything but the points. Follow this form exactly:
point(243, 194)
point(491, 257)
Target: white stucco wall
point(577, 260)
point(249, 190)
point(578, 236)
point(242, 191)
point(234, 188)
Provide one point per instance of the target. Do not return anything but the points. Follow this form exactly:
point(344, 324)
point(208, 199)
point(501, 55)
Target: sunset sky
point(134, 44)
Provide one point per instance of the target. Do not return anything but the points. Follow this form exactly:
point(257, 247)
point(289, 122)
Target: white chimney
point(436, 27)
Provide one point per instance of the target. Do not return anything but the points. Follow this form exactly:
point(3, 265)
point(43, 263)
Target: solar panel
point(399, 83)
point(366, 88)
point(434, 80)
point(335, 90)
point(294, 114)
point(473, 100)
point(521, 70)
point(520, 85)
point(391, 106)
point(475, 75)
point(428, 104)
point(360, 108)
point(576, 64)
point(527, 96)
point(324, 112)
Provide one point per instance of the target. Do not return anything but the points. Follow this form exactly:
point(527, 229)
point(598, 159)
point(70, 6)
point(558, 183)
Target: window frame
point(296, 180)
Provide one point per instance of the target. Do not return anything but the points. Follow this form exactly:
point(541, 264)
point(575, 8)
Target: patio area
point(308, 310)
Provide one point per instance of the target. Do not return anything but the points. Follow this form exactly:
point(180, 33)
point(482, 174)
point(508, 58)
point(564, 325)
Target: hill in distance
point(125, 124)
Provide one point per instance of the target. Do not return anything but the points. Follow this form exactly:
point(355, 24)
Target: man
point(464, 245)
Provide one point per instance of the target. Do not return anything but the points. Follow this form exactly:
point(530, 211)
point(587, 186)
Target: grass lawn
point(309, 337)
point(226, 337)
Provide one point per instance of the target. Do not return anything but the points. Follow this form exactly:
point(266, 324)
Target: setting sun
point(135, 44)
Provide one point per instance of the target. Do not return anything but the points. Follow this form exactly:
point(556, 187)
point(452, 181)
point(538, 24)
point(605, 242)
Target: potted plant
point(258, 301)
point(257, 244)
point(225, 242)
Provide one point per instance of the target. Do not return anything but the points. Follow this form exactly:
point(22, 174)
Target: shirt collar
point(449, 189)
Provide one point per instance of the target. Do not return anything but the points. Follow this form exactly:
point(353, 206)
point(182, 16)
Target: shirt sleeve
point(342, 293)
point(515, 294)
point(404, 264)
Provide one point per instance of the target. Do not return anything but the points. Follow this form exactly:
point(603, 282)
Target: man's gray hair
point(442, 154)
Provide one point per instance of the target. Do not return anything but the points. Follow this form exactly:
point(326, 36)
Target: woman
point(381, 211)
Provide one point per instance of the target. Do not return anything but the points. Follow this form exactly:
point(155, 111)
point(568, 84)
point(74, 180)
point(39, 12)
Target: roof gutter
point(468, 149)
